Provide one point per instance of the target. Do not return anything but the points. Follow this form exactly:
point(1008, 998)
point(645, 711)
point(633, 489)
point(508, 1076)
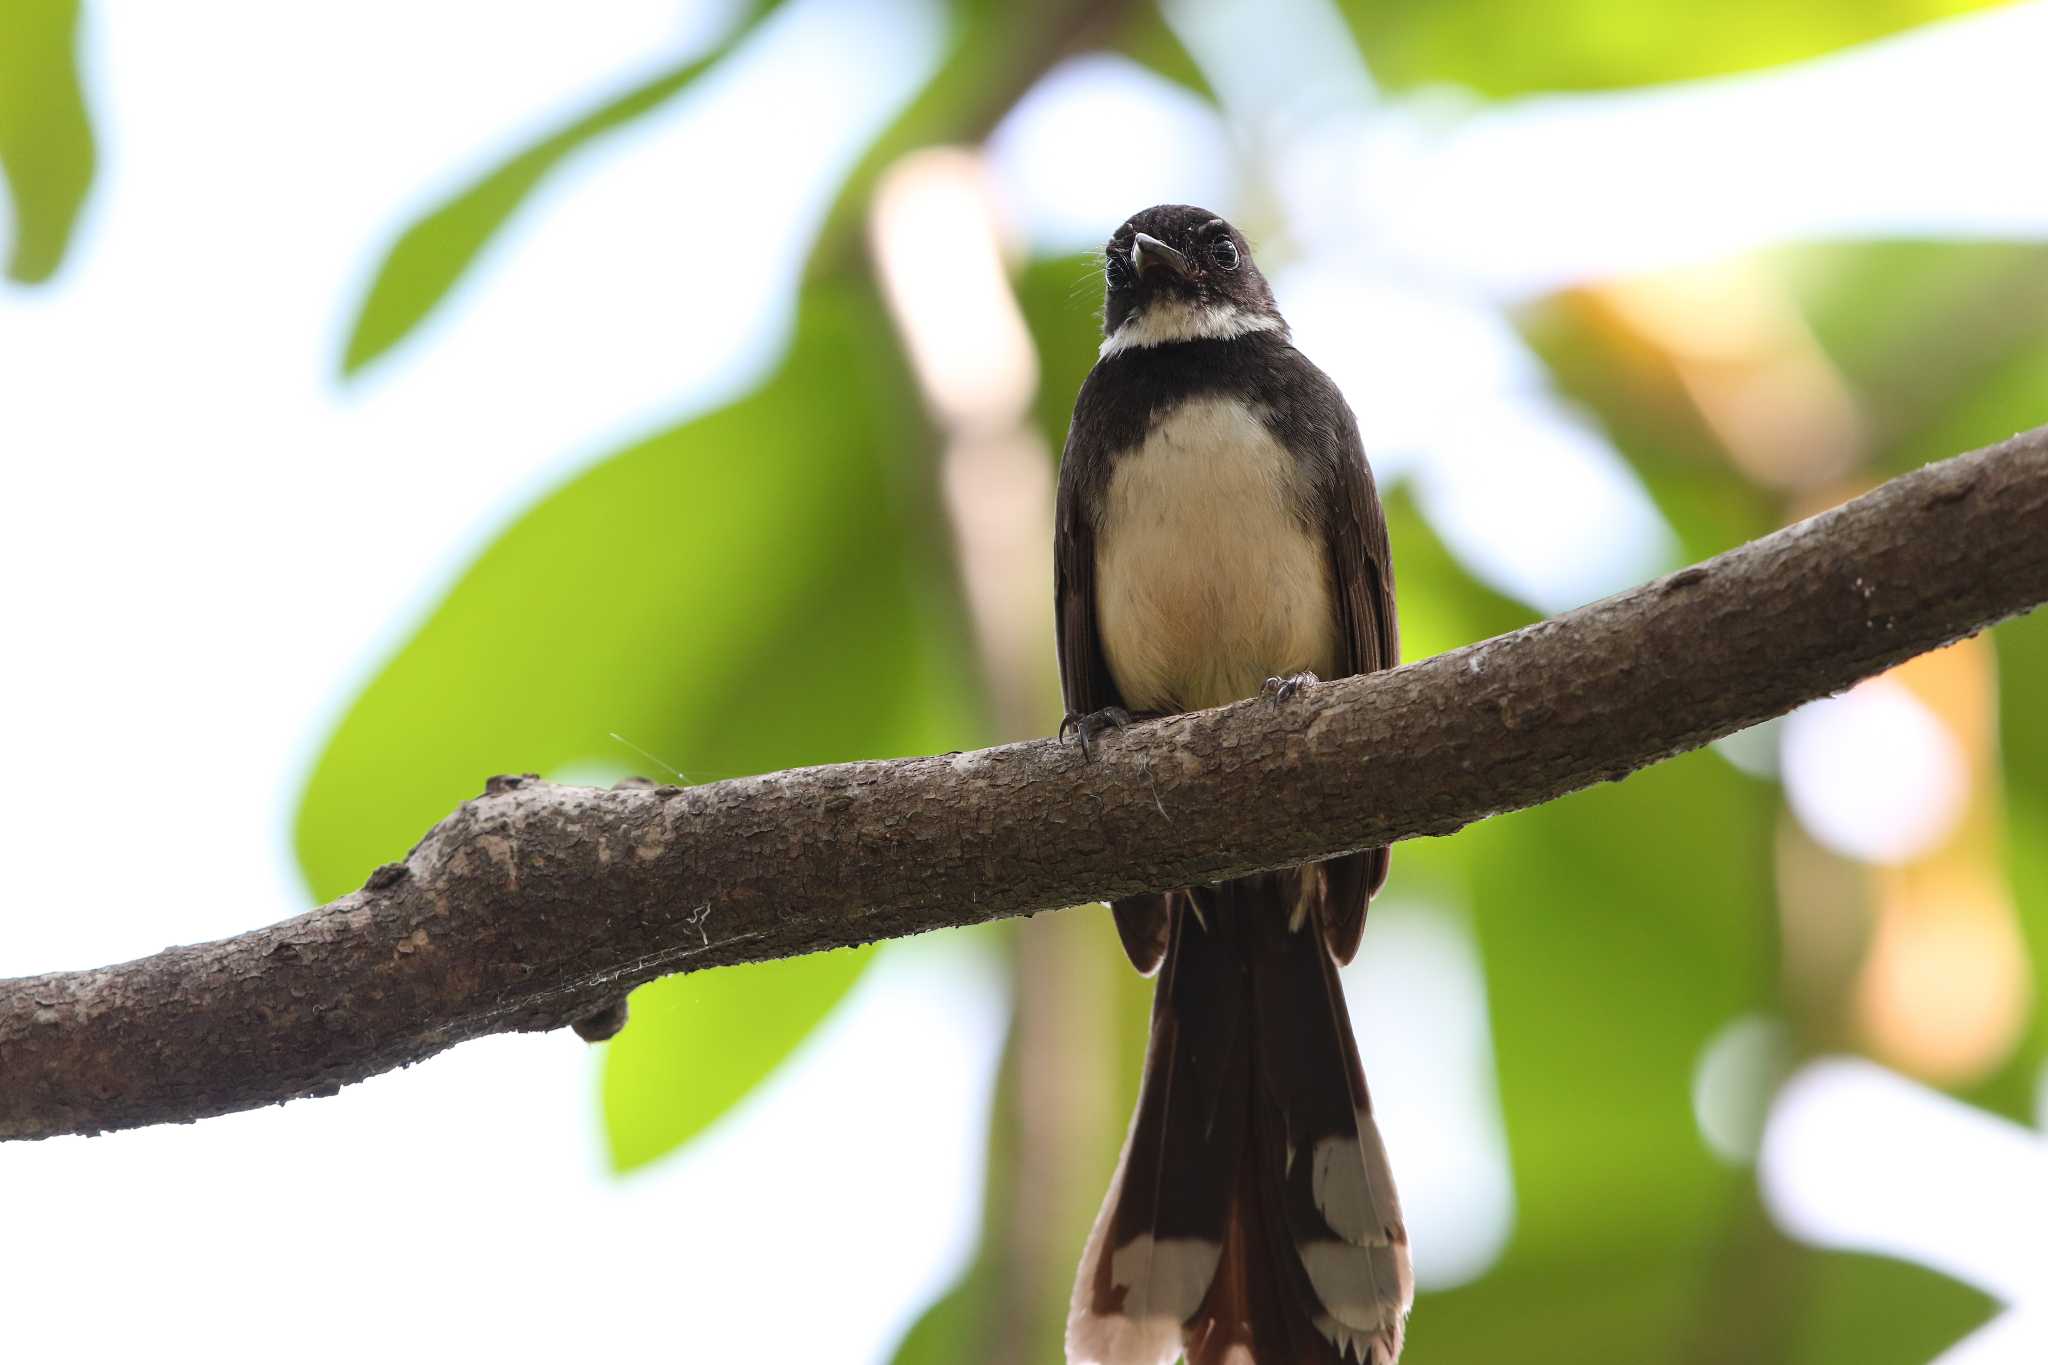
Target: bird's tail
point(1252, 1219)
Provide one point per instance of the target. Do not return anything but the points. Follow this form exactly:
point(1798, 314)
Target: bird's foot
point(1285, 689)
point(1086, 725)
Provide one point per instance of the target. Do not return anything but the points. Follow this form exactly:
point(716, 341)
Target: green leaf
point(46, 146)
point(1946, 347)
point(1442, 606)
point(1061, 298)
point(1148, 40)
point(1870, 303)
point(1943, 347)
point(1507, 47)
point(1875, 308)
point(958, 1326)
point(2022, 649)
point(1789, 1303)
point(757, 588)
point(1597, 1312)
point(1868, 1310)
point(1621, 928)
point(1872, 306)
point(2006, 398)
point(963, 1323)
point(697, 1043)
point(995, 51)
point(1080, 1024)
point(430, 256)
point(1645, 410)
point(1960, 360)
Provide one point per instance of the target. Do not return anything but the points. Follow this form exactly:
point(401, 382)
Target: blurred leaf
point(1643, 407)
point(1147, 40)
point(697, 1043)
point(1507, 47)
point(1870, 304)
point(428, 258)
point(1875, 308)
point(1867, 1310)
point(2011, 396)
point(953, 1329)
point(995, 51)
point(1944, 348)
point(965, 1322)
point(46, 146)
point(2004, 389)
point(1622, 927)
point(1080, 1026)
point(1442, 605)
point(1819, 1308)
point(2022, 648)
point(1592, 1312)
point(2022, 720)
point(1061, 298)
point(753, 589)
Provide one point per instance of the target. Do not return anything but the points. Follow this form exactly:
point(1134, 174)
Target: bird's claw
point(1088, 724)
point(1285, 689)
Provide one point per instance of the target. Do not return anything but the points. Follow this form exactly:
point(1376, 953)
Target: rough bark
point(536, 906)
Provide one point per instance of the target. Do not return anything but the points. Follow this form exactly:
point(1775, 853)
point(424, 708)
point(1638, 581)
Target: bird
point(1218, 537)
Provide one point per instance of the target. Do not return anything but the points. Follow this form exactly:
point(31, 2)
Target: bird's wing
point(1085, 681)
point(1356, 528)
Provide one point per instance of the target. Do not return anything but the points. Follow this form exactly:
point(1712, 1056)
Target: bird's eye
point(1224, 253)
point(1119, 270)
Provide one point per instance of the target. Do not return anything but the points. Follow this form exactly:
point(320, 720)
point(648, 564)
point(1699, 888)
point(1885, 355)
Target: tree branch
point(535, 906)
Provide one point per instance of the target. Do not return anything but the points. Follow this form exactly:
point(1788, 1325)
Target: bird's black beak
point(1148, 251)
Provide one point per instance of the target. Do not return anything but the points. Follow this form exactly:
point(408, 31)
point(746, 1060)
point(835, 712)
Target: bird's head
point(1178, 273)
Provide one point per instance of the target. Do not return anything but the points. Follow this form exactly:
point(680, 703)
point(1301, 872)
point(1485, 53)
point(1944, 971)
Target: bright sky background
point(209, 544)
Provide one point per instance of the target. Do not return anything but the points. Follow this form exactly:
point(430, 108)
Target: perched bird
point(1219, 537)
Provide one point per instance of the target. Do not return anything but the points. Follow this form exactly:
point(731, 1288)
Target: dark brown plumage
point(1217, 526)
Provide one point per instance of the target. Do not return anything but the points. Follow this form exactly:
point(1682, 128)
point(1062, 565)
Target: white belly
point(1207, 582)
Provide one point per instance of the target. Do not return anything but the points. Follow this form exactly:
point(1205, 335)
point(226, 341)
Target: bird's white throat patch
point(1170, 320)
